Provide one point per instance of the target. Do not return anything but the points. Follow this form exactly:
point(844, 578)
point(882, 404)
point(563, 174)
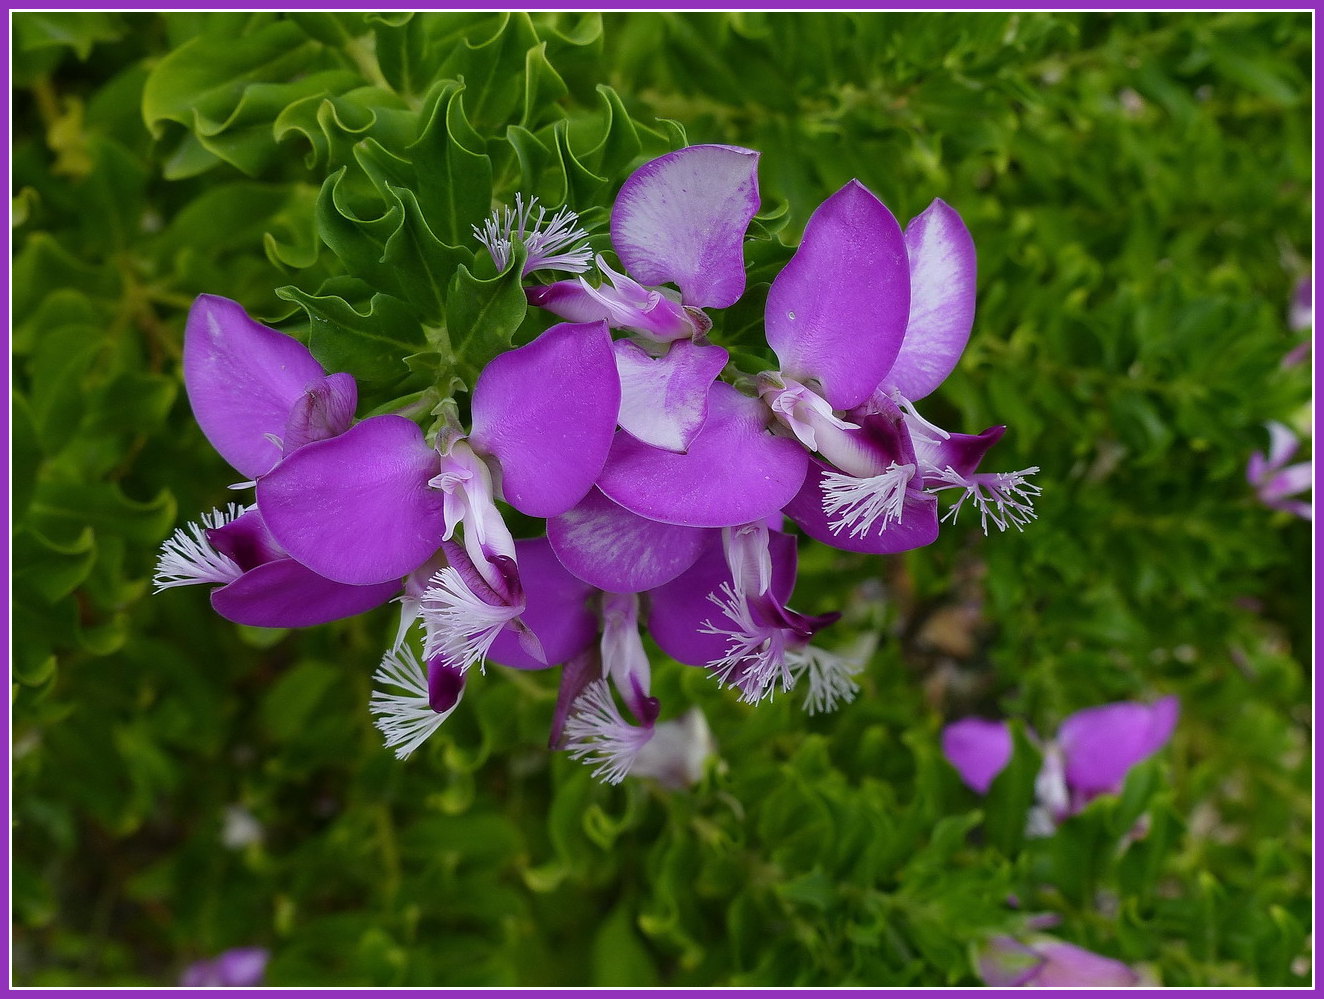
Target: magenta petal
point(285, 594)
point(1099, 745)
point(242, 380)
point(569, 300)
point(735, 472)
point(917, 527)
point(681, 219)
point(547, 413)
point(942, 300)
point(621, 552)
point(978, 749)
point(357, 508)
point(679, 609)
point(556, 610)
point(664, 400)
point(960, 452)
point(837, 311)
point(326, 409)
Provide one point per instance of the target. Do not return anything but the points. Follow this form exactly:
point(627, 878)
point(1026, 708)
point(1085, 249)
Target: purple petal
point(357, 508)
point(664, 400)
point(285, 594)
point(681, 219)
point(621, 552)
point(569, 300)
point(547, 413)
point(243, 379)
point(679, 609)
point(325, 410)
point(576, 675)
point(556, 610)
point(837, 311)
point(1101, 744)
point(1007, 963)
point(917, 527)
point(242, 966)
point(960, 452)
point(735, 471)
point(1066, 965)
point(1283, 443)
point(1291, 480)
point(978, 749)
point(942, 300)
point(246, 541)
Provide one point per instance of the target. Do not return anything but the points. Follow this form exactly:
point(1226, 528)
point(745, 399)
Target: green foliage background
point(1138, 188)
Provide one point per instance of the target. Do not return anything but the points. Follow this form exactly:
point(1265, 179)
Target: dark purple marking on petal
point(242, 379)
point(445, 684)
point(357, 508)
point(557, 610)
point(682, 218)
point(246, 541)
point(547, 413)
point(837, 311)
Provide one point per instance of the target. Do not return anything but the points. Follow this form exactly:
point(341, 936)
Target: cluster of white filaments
point(755, 659)
point(187, 557)
point(556, 243)
point(828, 675)
point(597, 732)
point(460, 624)
point(864, 504)
point(1003, 498)
point(404, 716)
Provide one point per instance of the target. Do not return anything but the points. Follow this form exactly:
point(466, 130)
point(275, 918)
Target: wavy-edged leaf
point(369, 345)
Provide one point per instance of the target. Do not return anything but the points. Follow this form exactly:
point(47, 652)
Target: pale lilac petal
point(1008, 963)
point(1301, 315)
point(681, 219)
point(1101, 744)
point(326, 409)
point(679, 609)
point(676, 755)
point(619, 551)
point(917, 527)
point(837, 311)
point(570, 300)
point(1291, 480)
point(734, 472)
point(664, 400)
point(242, 379)
point(557, 610)
point(357, 508)
point(1066, 965)
point(942, 300)
point(547, 413)
point(978, 749)
point(285, 594)
point(1283, 443)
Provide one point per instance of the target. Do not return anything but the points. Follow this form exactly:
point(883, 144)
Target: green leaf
point(620, 958)
point(369, 345)
point(78, 30)
point(482, 315)
point(454, 173)
point(61, 510)
point(52, 569)
point(24, 455)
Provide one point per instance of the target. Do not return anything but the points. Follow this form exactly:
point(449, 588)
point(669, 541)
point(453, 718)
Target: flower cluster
point(665, 475)
point(1091, 754)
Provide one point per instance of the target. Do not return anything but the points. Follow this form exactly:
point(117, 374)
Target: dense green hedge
point(1138, 187)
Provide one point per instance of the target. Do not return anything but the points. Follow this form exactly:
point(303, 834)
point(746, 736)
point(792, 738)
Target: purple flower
point(865, 320)
point(378, 501)
point(259, 397)
point(1091, 755)
point(1275, 481)
point(1046, 962)
point(240, 967)
point(257, 582)
point(679, 219)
